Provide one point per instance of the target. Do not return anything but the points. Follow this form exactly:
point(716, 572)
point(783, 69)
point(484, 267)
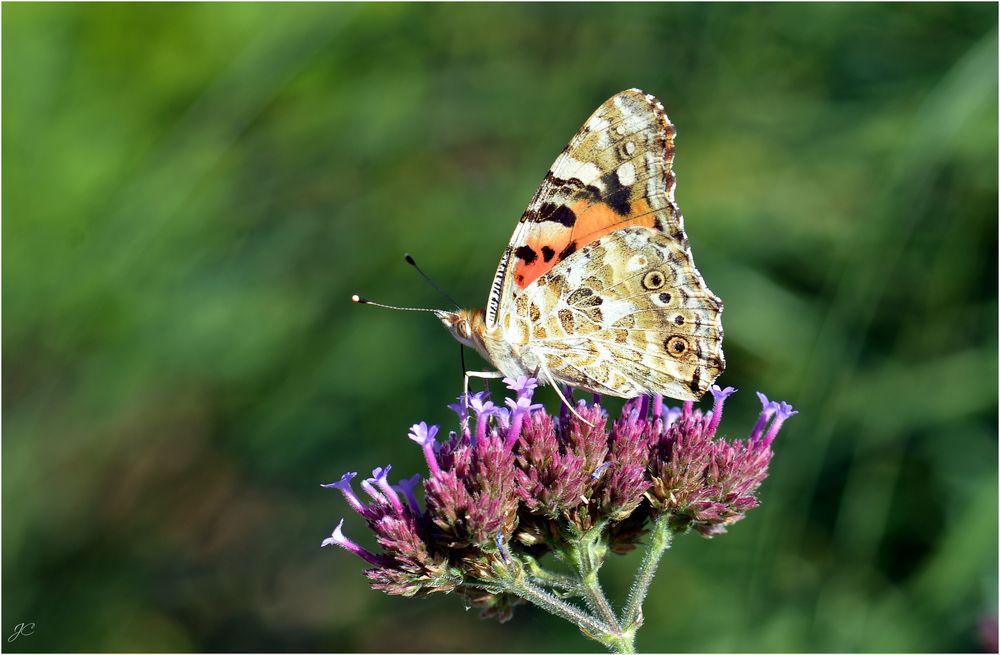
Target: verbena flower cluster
point(514, 483)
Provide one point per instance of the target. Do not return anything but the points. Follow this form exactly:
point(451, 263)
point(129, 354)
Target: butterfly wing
point(616, 172)
point(627, 315)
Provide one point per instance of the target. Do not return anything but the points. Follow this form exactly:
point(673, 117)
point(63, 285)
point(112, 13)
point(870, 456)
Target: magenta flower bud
point(338, 538)
point(344, 486)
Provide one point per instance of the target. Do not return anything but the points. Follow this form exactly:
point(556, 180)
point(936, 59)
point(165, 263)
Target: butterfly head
point(465, 325)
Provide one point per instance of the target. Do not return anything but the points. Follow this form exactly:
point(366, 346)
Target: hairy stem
point(590, 626)
point(588, 557)
point(566, 584)
point(659, 542)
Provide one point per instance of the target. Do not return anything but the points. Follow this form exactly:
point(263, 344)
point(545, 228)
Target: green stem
point(588, 562)
point(541, 576)
point(518, 582)
point(659, 542)
point(590, 626)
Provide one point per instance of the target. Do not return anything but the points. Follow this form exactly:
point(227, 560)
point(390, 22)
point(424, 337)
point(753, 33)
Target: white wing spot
point(636, 263)
point(588, 173)
point(626, 174)
point(598, 124)
point(620, 129)
point(630, 148)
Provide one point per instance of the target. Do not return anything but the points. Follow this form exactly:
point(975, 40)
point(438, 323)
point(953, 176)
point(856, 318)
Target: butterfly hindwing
point(627, 316)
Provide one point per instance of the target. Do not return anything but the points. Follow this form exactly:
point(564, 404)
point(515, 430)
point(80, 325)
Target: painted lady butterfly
point(597, 288)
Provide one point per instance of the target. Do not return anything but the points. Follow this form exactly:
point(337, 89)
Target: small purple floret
point(344, 486)
point(767, 411)
point(518, 410)
point(720, 396)
point(407, 487)
point(783, 413)
point(460, 408)
point(338, 539)
point(483, 409)
point(523, 386)
point(380, 476)
point(424, 435)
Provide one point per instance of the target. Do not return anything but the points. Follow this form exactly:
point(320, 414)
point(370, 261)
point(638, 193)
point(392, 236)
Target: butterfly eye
point(676, 346)
point(653, 280)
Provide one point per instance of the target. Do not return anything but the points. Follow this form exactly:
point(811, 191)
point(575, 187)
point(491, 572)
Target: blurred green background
point(192, 193)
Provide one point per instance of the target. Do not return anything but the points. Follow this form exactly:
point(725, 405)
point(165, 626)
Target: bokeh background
point(193, 192)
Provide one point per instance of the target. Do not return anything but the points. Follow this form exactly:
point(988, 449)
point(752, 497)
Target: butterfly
point(597, 288)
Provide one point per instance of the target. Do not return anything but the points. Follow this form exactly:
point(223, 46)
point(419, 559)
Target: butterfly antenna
point(413, 263)
point(364, 301)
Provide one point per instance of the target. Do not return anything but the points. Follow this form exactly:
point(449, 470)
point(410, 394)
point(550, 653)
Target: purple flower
point(483, 409)
point(720, 396)
point(460, 408)
point(339, 539)
point(523, 386)
point(707, 483)
point(767, 410)
point(424, 436)
point(551, 476)
point(380, 476)
point(481, 405)
point(344, 486)
point(529, 483)
point(518, 410)
point(783, 413)
point(407, 487)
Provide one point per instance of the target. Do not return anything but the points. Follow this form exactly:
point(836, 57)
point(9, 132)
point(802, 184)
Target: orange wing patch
point(549, 244)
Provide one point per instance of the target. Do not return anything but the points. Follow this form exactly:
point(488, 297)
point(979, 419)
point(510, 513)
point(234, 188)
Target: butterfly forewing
point(615, 172)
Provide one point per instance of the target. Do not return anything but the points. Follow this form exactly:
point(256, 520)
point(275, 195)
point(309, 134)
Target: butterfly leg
point(555, 385)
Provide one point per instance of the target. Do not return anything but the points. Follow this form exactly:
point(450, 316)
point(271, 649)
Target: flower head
point(530, 483)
